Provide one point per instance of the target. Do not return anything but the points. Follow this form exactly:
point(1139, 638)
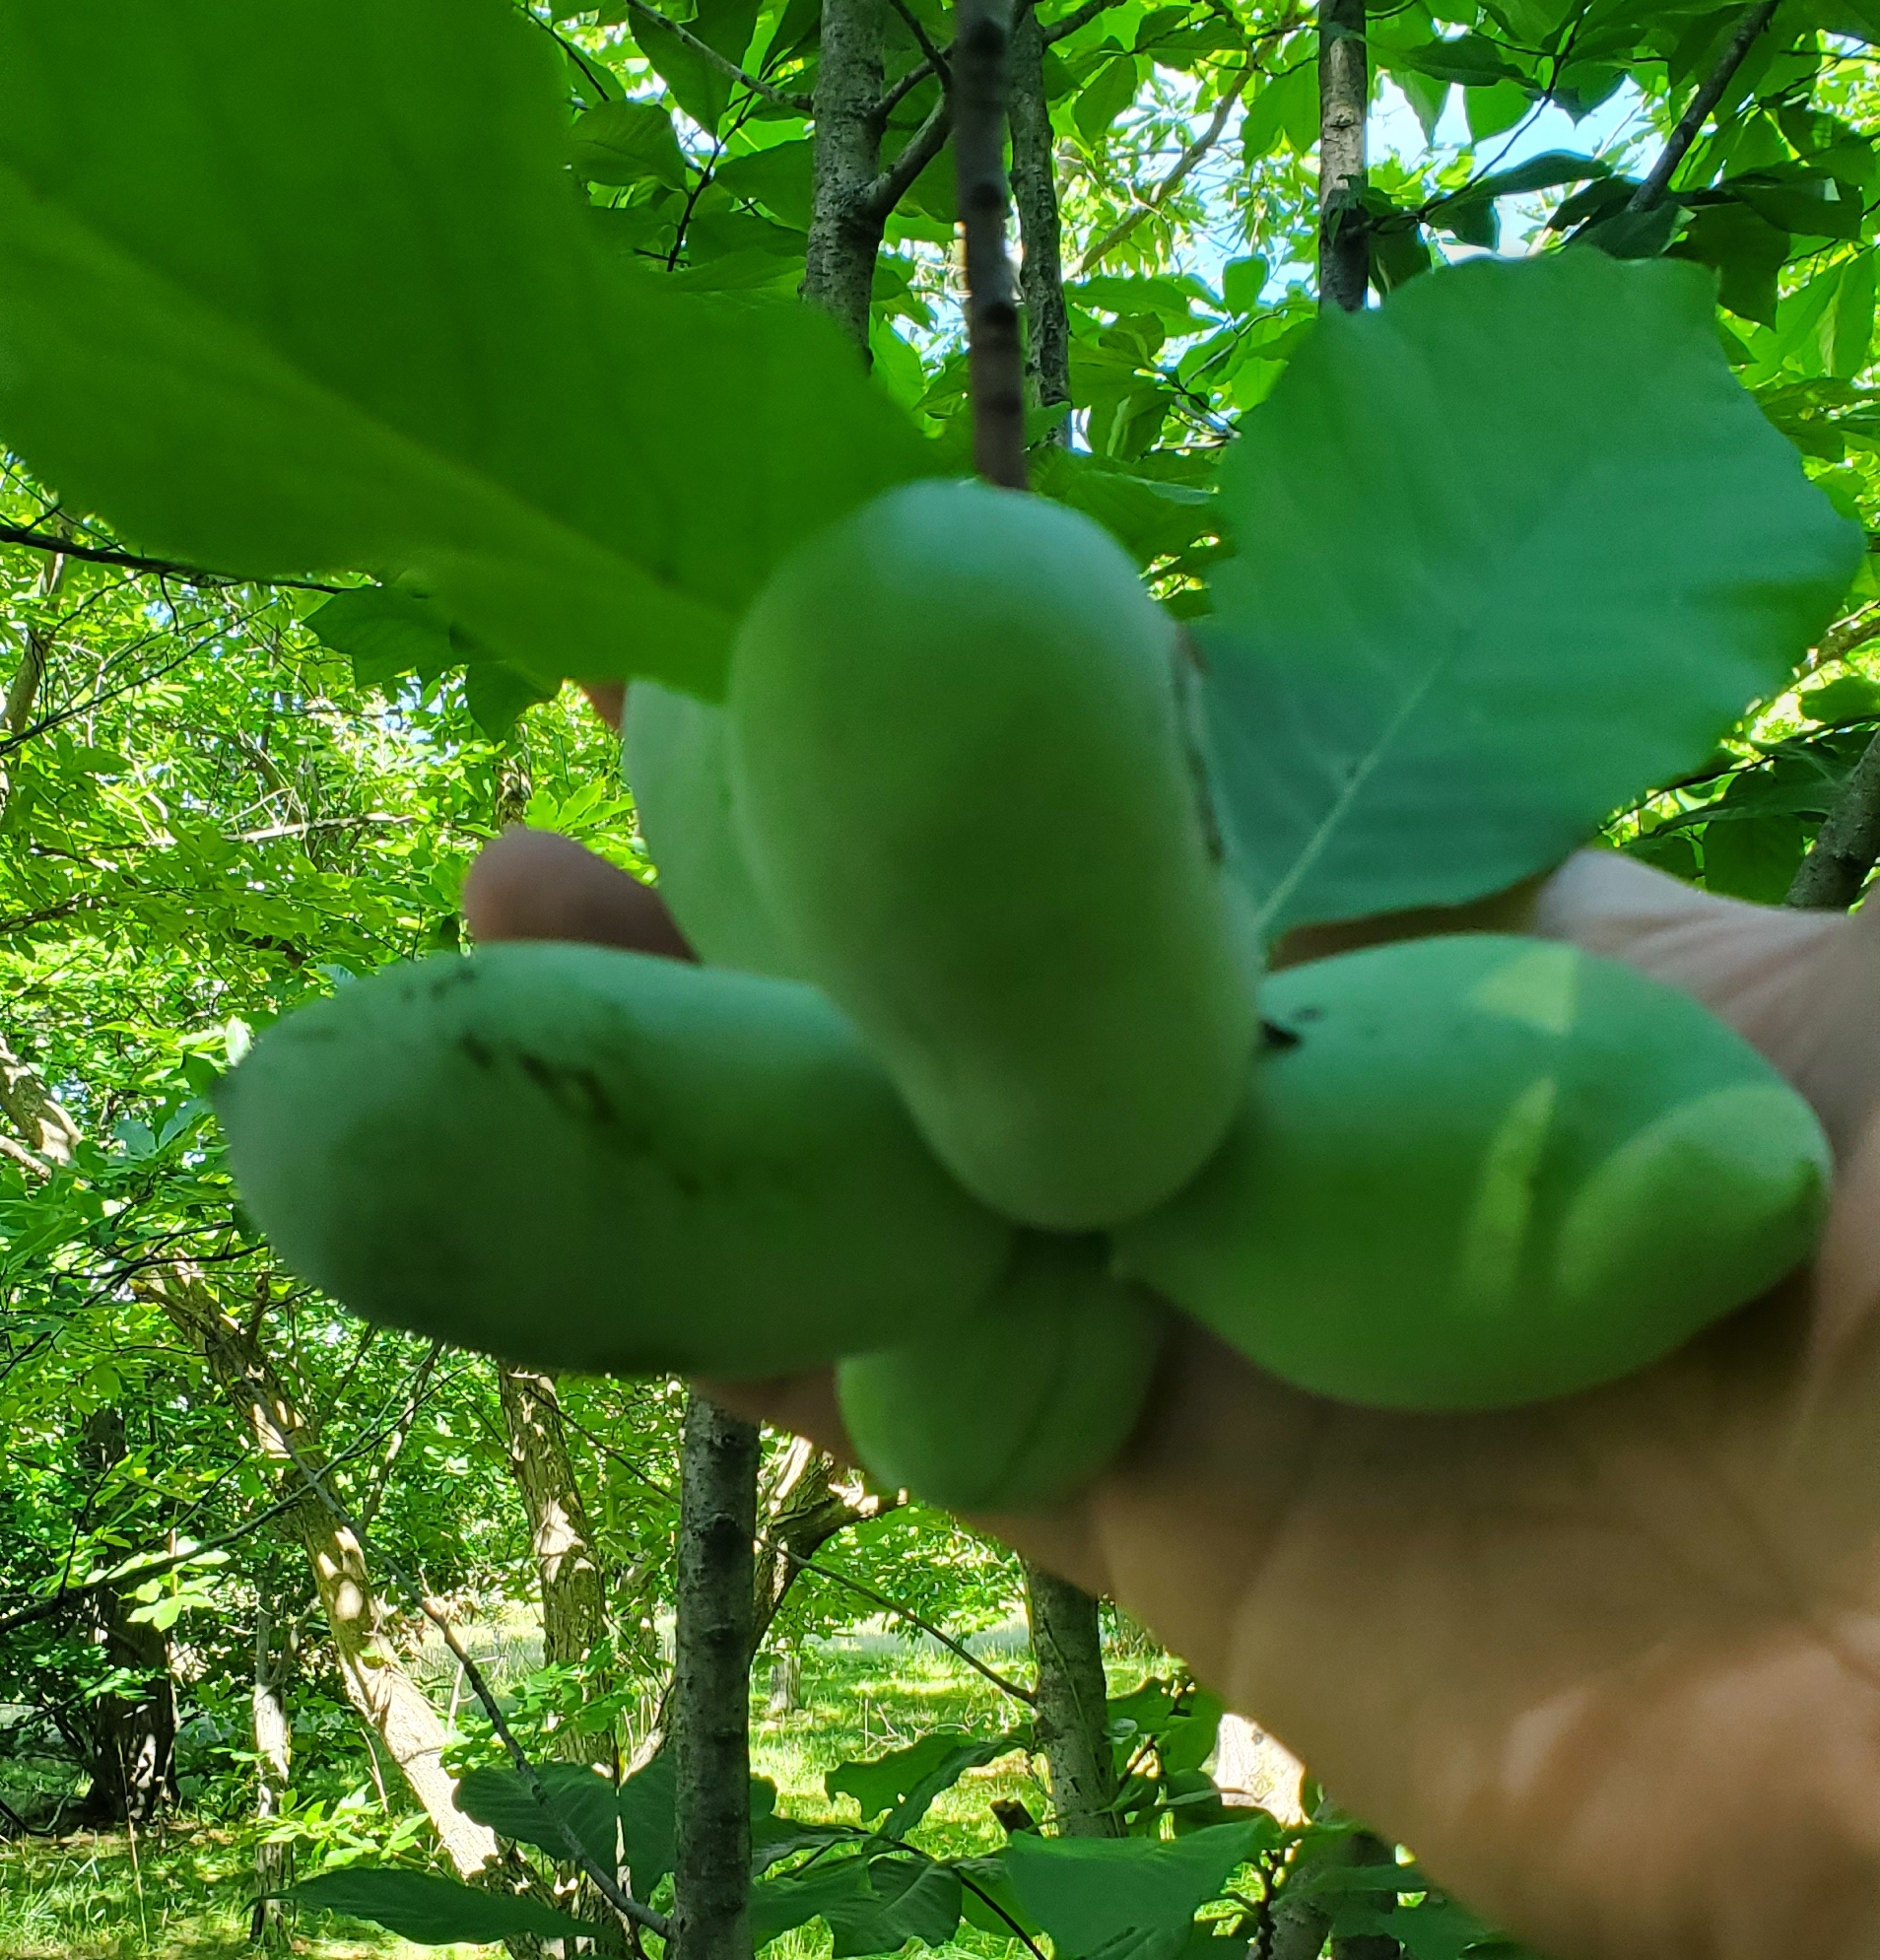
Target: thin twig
point(898, 92)
point(888, 1605)
point(935, 59)
point(996, 357)
point(779, 98)
point(195, 574)
point(1651, 194)
point(1183, 166)
point(1078, 17)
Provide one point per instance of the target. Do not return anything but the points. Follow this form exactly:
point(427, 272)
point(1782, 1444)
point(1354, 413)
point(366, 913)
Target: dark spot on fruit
point(478, 1050)
point(578, 1091)
point(463, 974)
point(1277, 1037)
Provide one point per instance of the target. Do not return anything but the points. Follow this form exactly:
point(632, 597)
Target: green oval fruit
point(1488, 1171)
point(680, 776)
point(1020, 1405)
point(587, 1159)
point(962, 768)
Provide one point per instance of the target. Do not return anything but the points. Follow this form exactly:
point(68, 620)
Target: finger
point(1801, 986)
point(536, 885)
point(608, 699)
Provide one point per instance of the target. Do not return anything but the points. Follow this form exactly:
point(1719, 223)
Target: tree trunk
point(1344, 105)
point(1254, 1770)
point(23, 692)
point(387, 1699)
point(133, 1758)
point(1072, 1705)
point(1838, 863)
point(574, 1600)
point(273, 1763)
point(803, 1507)
point(845, 235)
point(786, 1682)
point(1040, 230)
point(37, 1118)
point(711, 1707)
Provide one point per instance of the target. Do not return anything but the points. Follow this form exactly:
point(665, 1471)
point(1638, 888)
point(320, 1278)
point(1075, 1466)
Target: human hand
point(1611, 1664)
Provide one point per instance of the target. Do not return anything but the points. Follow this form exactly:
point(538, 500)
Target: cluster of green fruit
point(986, 1076)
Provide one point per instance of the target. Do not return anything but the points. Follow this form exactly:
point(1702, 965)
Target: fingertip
point(608, 700)
point(804, 1404)
point(539, 885)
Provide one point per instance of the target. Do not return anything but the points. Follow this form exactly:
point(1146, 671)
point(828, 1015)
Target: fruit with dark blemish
point(578, 1158)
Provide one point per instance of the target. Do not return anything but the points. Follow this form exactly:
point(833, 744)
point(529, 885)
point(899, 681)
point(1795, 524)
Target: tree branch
point(922, 148)
point(1040, 224)
point(936, 61)
point(1651, 194)
point(921, 71)
point(1078, 17)
point(787, 98)
point(1184, 166)
point(994, 355)
point(195, 574)
point(1344, 109)
point(1837, 864)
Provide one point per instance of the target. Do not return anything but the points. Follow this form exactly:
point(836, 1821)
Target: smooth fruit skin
point(962, 770)
point(1022, 1405)
point(1488, 1171)
point(680, 776)
point(578, 1158)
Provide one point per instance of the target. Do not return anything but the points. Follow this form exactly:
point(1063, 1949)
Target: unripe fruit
point(1020, 1404)
point(1487, 1171)
point(679, 774)
point(578, 1158)
point(963, 769)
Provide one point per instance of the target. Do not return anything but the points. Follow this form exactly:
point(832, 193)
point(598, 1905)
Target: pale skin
point(1611, 1666)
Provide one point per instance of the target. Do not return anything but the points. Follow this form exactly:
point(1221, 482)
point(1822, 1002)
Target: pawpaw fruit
point(966, 781)
point(680, 777)
point(1483, 1171)
point(579, 1158)
point(1020, 1404)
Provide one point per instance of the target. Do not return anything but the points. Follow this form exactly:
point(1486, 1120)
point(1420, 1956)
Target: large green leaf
point(1511, 551)
point(360, 322)
point(432, 1910)
point(647, 1806)
point(1088, 1893)
point(906, 1783)
point(871, 1905)
point(621, 143)
point(588, 1803)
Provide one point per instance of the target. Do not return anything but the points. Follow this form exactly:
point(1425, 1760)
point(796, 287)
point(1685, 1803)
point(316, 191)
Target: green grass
point(186, 1893)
